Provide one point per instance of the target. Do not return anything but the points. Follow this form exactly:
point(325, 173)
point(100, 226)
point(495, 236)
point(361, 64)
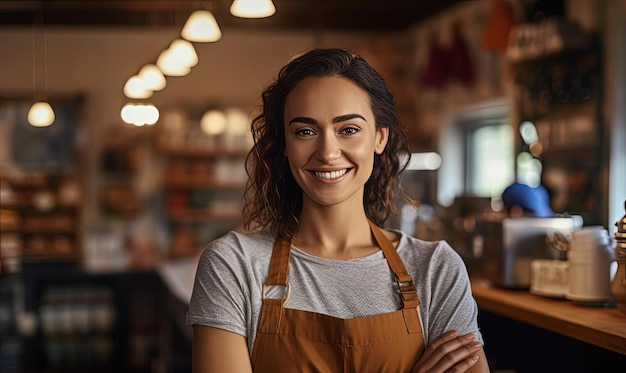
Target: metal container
point(511, 244)
point(618, 286)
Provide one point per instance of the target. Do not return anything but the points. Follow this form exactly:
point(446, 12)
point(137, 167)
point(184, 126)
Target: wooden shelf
point(603, 327)
point(202, 181)
point(203, 216)
point(217, 152)
point(39, 222)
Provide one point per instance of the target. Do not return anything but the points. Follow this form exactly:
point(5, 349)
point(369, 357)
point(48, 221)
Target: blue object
point(532, 199)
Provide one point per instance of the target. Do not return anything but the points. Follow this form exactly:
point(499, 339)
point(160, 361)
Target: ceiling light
point(41, 114)
point(152, 77)
point(184, 52)
point(201, 26)
point(213, 122)
point(252, 8)
point(135, 87)
point(139, 114)
point(178, 59)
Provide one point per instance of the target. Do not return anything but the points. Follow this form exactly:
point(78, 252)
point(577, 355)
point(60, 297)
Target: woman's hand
point(451, 353)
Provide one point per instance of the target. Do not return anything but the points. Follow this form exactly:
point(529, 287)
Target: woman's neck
point(334, 232)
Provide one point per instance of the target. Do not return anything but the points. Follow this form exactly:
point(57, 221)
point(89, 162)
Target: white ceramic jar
point(590, 257)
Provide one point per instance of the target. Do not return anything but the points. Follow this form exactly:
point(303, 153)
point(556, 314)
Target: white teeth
point(330, 175)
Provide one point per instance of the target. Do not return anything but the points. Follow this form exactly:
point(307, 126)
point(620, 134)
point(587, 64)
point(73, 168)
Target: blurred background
point(133, 159)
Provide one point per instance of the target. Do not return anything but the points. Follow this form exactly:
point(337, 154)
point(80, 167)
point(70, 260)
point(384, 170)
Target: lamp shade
point(135, 87)
point(178, 59)
point(201, 26)
point(152, 77)
point(252, 8)
point(41, 114)
point(140, 114)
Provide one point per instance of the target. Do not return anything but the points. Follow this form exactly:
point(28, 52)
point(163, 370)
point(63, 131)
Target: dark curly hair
point(273, 198)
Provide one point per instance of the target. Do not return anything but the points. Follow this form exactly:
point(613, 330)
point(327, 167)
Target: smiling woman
point(317, 285)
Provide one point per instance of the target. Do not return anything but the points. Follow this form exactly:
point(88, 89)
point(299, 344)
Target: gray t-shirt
point(232, 270)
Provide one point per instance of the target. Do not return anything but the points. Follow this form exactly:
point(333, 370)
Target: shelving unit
point(119, 165)
point(39, 219)
point(203, 194)
point(561, 93)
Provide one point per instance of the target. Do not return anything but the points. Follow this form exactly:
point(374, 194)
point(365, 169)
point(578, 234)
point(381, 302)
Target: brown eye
point(305, 132)
point(349, 130)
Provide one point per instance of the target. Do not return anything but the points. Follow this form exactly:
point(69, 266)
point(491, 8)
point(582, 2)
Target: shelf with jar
point(39, 219)
point(561, 93)
point(558, 93)
point(120, 162)
point(203, 193)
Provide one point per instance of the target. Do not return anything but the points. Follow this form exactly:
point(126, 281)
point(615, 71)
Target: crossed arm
point(217, 350)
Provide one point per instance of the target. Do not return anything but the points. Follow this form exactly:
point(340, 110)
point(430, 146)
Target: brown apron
point(292, 340)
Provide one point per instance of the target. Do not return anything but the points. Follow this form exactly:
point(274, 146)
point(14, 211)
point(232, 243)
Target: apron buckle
point(287, 292)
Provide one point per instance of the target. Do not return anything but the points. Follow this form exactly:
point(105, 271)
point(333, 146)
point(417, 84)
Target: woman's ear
point(382, 136)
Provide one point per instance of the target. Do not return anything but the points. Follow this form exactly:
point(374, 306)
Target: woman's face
point(330, 139)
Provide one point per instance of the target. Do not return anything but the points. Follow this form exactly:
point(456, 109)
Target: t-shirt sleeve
point(218, 298)
point(452, 306)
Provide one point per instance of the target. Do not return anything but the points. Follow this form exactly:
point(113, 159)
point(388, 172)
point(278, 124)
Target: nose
point(328, 148)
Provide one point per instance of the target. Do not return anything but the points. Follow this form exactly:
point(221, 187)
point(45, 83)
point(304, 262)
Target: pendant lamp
point(152, 77)
point(40, 113)
point(140, 114)
point(201, 26)
point(252, 8)
point(178, 59)
point(135, 87)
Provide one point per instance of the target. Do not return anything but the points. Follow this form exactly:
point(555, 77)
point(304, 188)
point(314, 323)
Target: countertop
point(601, 326)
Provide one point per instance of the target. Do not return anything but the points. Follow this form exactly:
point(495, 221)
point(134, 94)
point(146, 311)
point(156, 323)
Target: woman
point(318, 286)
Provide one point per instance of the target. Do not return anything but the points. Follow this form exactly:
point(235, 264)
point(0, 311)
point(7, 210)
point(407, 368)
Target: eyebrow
point(339, 119)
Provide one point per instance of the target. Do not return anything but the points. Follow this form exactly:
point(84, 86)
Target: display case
point(90, 321)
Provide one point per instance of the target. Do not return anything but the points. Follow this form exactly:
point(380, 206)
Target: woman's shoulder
point(240, 244)
point(415, 247)
point(415, 243)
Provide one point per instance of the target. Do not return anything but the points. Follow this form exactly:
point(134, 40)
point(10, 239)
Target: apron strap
point(279, 263)
point(403, 278)
point(272, 312)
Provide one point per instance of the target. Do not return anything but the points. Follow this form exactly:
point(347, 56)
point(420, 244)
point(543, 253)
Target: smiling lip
point(331, 175)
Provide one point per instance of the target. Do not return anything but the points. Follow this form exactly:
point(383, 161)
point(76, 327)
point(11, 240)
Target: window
point(477, 146)
point(490, 157)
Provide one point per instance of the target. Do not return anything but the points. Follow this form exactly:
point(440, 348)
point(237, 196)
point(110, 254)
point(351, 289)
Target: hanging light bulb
point(135, 87)
point(213, 122)
point(252, 8)
point(178, 59)
point(41, 114)
point(201, 26)
point(170, 66)
point(140, 114)
point(184, 52)
point(152, 77)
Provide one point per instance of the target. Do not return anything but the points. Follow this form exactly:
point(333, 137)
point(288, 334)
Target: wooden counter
point(603, 327)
